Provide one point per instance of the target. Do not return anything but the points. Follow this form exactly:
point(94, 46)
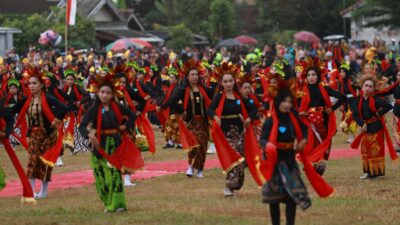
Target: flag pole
point(66, 39)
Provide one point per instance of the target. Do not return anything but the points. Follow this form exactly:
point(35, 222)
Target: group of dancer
point(266, 118)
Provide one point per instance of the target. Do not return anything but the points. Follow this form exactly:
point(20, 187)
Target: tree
point(181, 37)
point(222, 20)
point(380, 13)
point(82, 35)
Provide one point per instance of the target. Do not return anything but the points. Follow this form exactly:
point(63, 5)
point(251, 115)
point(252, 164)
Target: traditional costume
point(322, 126)
point(279, 168)
point(369, 111)
point(45, 140)
point(229, 137)
point(116, 153)
point(192, 100)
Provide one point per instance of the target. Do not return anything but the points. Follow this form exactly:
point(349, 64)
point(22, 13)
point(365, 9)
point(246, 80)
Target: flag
point(71, 12)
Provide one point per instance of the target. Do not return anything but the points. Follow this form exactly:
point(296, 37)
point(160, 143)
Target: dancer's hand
point(364, 128)
point(2, 134)
point(217, 120)
point(247, 122)
point(329, 110)
point(301, 145)
point(122, 128)
point(93, 139)
point(56, 123)
point(303, 113)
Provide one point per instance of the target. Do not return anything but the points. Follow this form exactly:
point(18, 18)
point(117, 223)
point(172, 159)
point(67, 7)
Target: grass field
point(176, 199)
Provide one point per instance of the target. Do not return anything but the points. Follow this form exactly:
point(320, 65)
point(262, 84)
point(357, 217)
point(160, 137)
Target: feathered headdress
point(191, 64)
point(226, 68)
point(360, 80)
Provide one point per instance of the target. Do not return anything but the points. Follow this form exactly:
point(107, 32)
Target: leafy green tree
point(222, 19)
point(82, 35)
point(181, 37)
point(381, 12)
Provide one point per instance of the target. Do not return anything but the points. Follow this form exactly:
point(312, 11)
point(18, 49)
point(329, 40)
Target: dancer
point(171, 131)
point(231, 114)
point(105, 124)
point(192, 99)
point(44, 114)
point(317, 111)
point(368, 111)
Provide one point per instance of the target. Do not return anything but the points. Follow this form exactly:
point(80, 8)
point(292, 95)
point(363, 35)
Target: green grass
point(178, 200)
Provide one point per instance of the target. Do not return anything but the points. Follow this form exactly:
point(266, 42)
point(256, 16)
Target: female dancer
point(232, 114)
point(192, 99)
point(113, 152)
point(347, 88)
point(171, 131)
point(44, 114)
point(284, 135)
point(73, 97)
point(368, 111)
point(395, 90)
point(317, 111)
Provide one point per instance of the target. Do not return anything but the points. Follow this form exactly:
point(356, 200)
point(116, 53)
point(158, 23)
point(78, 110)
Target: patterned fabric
point(197, 155)
point(76, 143)
point(38, 144)
point(235, 178)
point(109, 184)
point(172, 129)
point(320, 132)
point(286, 183)
point(373, 153)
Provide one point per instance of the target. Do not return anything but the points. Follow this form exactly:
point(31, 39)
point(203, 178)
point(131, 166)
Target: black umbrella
point(229, 43)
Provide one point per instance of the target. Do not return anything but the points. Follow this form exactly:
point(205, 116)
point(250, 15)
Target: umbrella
point(306, 36)
point(229, 43)
point(334, 37)
point(246, 40)
point(121, 44)
point(141, 42)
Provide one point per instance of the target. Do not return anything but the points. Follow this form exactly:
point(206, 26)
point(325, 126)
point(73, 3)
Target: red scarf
point(51, 155)
point(316, 154)
point(188, 140)
point(142, 121)
point(357, 140)
point(127, 156)
point(268, 166)
point(76, 91)
point(139, 87)
point(59, 96)
point(229, 157)
point(27, 192)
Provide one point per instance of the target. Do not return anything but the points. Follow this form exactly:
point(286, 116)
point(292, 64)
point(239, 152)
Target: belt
point(231, 116)
point(36, 128)
point(198, 117)
point(369, 121)
point(109, 131)
point(316, 109)
point(285, 145)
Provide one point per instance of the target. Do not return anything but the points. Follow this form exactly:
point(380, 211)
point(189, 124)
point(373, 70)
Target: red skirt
point(373, 153)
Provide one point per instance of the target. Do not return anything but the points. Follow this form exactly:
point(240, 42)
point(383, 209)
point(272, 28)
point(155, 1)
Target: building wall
point(6, 41)
point(358, 32)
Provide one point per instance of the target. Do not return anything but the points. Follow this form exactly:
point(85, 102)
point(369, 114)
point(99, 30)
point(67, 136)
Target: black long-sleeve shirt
point(396, 94)
point(382, 108)
point(109, 120)
point(317, 100)
point(231, 107)
point(58, 109)
point(286, 133)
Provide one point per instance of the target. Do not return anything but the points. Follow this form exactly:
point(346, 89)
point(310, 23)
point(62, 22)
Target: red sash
point(316, 154)
point(357, 140)
point(127, 156)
